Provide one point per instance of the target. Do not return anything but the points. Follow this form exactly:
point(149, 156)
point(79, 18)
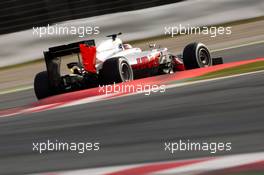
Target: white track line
point(216, 163)
point(18, 89)
point(238, 46)
point(211, 79)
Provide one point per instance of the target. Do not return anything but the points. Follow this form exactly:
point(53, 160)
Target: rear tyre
point(116, 70)
point(41, 85)
point(196, 55)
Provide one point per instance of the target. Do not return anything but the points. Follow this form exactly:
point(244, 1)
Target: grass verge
point(251, 67)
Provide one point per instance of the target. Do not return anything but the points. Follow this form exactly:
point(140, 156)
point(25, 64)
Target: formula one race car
point(113, 62)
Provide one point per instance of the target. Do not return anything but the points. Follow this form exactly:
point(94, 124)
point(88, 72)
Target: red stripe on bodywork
point(88, 57)
point(145, 62)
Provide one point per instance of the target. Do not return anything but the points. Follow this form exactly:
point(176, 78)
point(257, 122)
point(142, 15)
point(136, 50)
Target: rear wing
point(53, 59)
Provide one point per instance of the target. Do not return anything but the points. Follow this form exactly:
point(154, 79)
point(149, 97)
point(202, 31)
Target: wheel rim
point(125, 72)
point(204, 57)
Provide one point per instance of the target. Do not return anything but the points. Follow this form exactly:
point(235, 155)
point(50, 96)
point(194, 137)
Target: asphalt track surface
point(133, 129)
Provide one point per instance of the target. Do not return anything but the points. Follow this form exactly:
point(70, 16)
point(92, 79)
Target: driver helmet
point(127, 46)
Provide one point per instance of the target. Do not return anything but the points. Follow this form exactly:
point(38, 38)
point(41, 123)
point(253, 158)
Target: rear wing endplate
point(53, 59)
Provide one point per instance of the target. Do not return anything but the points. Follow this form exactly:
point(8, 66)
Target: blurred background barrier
point(18, 15)
point(136, 19)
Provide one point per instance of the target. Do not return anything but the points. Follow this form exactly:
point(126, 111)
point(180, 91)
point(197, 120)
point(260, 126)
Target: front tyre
point(196, 55)
point(41, 85)
point(116, 70)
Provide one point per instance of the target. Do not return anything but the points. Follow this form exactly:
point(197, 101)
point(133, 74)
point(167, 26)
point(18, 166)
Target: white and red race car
point(113, 62)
